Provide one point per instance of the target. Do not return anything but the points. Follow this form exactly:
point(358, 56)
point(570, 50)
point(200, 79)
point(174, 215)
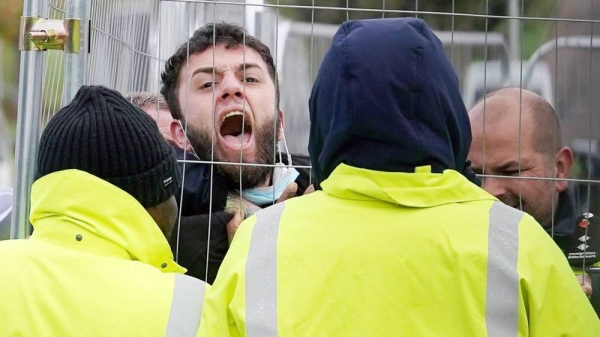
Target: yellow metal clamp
point(43, 34)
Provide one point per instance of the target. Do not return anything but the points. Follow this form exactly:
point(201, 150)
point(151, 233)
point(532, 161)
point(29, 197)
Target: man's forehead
point(503, 121)
point(496, 163)
point(502, 153)
point(500, 109)
point(501, 140)
point(222, 57)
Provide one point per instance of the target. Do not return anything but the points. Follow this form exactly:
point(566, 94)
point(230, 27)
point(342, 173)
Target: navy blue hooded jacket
point(386, 98)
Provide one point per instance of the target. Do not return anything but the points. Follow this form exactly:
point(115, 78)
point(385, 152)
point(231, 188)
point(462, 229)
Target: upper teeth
point(232, 113)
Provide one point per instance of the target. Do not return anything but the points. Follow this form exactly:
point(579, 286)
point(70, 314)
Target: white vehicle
point(6, 154)
point(6, 199)
point(6, 176)
point(484, 77)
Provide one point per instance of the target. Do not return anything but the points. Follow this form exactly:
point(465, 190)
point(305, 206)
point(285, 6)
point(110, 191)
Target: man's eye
point(511, 172)
point(207, 85)
point(250, 80)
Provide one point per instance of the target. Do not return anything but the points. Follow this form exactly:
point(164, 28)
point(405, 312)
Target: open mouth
point(235, 129)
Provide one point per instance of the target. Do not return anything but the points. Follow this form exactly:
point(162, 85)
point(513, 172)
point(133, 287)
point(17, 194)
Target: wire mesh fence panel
point(54, 68)
point(547, 47)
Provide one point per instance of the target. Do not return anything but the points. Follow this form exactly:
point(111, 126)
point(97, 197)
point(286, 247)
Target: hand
point(235, 202)
point(290, 191)
point(587, 289)
point(233, 224)
point(586, 284)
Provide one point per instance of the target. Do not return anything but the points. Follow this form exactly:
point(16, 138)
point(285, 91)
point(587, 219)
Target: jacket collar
point(419, 189)
point(565, 215)
point(77, 209)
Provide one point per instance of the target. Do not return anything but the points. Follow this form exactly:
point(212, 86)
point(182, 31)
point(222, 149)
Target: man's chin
point(251, 175)
point(237, 157)
point(511, 202)
point(517, 206)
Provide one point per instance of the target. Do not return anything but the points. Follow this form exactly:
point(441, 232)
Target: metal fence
point(124, 44)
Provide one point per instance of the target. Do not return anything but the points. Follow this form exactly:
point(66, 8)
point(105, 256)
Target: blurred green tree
point(9, 67)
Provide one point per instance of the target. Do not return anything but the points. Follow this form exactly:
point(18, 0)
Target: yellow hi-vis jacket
point(96, 265)
point(395, 254)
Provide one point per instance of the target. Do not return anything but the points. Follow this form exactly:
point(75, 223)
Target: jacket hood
point(108, 218)
point(419, 189)
point(386, 98)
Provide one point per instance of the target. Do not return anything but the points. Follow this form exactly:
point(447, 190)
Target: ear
point(282, 122)
point(178, 135)
point(563, 161)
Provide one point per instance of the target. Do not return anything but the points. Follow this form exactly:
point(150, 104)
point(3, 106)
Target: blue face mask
point(282, 176)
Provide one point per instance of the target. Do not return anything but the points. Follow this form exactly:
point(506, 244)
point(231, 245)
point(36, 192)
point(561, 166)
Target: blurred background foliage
point(9, 62)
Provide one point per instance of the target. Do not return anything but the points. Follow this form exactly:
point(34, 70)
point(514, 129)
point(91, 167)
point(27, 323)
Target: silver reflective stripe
point(186, 306)
point(261, 274)
point(502, 293)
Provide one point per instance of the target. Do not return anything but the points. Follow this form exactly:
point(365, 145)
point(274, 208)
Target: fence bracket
point(43, 34)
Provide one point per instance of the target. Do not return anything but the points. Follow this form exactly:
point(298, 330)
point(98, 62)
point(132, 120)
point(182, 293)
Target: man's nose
point(231, 87)
point(494, 186)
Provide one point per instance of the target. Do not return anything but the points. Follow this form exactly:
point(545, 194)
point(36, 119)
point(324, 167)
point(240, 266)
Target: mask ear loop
point(287, 150)
point(188, 140)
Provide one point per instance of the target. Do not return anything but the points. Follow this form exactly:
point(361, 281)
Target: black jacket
point(572, 236)
point(203, 219)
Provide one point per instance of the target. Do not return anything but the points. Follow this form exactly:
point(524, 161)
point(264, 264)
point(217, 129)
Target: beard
point(248, 176)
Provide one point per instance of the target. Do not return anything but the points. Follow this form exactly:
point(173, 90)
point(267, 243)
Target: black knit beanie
point(102, 133)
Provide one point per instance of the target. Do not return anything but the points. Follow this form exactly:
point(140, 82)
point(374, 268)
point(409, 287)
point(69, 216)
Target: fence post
point(28, 126)
point(75, 63)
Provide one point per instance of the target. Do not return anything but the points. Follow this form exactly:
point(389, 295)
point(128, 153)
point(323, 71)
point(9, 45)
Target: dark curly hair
point(229, 34)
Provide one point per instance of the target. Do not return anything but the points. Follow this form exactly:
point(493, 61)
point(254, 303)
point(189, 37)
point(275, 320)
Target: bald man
point(516, 133)
point(522, 135)
point(156, 107)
